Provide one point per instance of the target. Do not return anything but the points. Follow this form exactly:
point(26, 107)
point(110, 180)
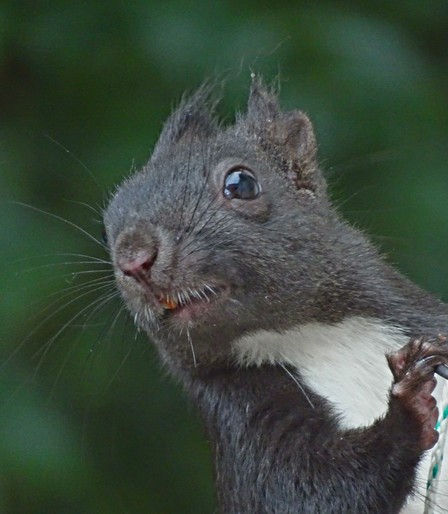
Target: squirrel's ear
point(293, 132)
point(193, 119)
point(289, 136)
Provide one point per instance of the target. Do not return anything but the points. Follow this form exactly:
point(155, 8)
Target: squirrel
point(276, 316)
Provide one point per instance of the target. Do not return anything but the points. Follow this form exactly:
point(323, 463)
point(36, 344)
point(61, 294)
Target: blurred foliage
point(89, 423)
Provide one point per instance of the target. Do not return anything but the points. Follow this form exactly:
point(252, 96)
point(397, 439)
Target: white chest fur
point(344, 362)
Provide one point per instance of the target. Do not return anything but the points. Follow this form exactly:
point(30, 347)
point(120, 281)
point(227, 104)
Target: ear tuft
point(194, 118)
point(263, 106)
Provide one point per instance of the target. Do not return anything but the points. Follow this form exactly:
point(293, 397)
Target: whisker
point(88, 206)
point(120, 367)
point(192, 348)
point(87, 272)
point(112, 325)
point(299, 385)
point(68, 263)
point(205, 211)
point(60, 218)
point(45, 349)
point(190, 149)
point(204, 185)
point(43, 322)
point(100, 305)
point(44, 256)
point(76, 159)
point(69, 290)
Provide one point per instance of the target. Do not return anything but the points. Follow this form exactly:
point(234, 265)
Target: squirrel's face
point(219, 234)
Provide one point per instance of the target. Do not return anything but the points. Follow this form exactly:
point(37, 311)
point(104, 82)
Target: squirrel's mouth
point(182, 304)
point(178, 299)
point(189, 303)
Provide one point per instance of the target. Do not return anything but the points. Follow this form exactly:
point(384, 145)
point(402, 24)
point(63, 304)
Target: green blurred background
point(89, 423)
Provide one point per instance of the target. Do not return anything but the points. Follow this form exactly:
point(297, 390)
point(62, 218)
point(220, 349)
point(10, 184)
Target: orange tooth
point(168, 303)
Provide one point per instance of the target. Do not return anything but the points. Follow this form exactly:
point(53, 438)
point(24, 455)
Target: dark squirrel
point(276, 316)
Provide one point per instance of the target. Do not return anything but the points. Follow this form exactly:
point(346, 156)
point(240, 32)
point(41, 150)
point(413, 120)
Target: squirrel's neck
point(343, 361)
point(248, 413)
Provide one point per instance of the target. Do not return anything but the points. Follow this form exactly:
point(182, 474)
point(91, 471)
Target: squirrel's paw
point(413, 369)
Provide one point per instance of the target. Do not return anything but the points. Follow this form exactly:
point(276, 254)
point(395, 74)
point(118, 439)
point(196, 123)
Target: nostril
point(138, 264)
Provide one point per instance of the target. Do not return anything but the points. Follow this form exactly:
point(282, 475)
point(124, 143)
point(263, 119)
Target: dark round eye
point(241, 184)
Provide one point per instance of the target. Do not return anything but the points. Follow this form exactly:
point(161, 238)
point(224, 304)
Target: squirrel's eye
point(241, 184)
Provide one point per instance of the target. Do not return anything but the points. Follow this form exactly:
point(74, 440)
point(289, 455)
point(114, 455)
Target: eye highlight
point(241, 184)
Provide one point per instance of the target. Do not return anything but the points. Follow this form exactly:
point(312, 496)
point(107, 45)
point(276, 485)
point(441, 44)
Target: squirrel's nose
point(138, 264)
point(136, 252)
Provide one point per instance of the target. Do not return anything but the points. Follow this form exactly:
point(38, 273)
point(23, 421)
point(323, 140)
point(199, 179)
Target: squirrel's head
point(226, 230)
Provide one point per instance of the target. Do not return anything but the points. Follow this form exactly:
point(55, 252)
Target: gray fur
point(277, 262)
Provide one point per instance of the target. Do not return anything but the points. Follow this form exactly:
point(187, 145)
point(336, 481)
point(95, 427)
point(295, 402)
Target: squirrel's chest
point(343, 362)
